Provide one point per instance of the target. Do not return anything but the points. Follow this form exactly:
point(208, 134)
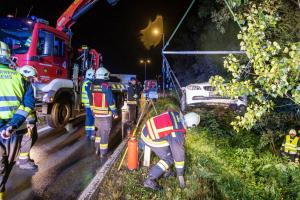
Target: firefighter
point(16, 102)
point(133, 95)
point(89, 118)
point(28, 140)
point(164, 134)
point(291, 146)
point(103, 106)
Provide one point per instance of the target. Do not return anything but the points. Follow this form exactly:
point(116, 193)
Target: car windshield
point(17, 34)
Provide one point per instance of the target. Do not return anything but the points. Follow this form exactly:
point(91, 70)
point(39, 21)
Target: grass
point(220, 164)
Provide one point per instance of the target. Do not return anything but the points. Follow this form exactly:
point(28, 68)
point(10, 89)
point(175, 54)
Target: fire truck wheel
point(59, 116)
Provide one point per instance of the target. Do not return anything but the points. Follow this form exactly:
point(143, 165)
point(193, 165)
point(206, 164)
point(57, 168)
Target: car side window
point(45, 43)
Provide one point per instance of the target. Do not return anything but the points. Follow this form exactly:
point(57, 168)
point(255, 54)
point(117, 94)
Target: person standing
point(133, 95)
point(291, 146)
point(89, 118)
point(16, 102)
point(103, 106)
point(28, 140)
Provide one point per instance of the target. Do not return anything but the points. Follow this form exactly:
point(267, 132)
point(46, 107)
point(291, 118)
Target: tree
point(269, 39)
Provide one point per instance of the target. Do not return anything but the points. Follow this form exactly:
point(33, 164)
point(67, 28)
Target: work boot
point(28, 166)
point(103, 159)
point(152, 184)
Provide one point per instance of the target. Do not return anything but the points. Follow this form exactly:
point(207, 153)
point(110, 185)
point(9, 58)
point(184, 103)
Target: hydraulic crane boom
point(76, 10)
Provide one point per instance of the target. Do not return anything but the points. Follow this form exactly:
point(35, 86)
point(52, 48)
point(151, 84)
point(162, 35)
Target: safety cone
point(132, 156)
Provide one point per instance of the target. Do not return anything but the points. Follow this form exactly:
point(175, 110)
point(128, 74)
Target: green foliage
point(275, 71)
point(218, 167)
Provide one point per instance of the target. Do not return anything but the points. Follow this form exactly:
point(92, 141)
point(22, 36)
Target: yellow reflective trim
point(113, 86)
point(103, 146)
point(97, 139)
point(161, 166)
point(168, 128)
point(152, 143)
point(24, 154)
point(164, 164)
point(174, 120)
point(179, 163)
point(154, 129)
point(149, 128)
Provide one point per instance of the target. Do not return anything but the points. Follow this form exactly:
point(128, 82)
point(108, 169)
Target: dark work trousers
point(132, 109)
point(165, 162)
point(9, 150)
point(89, 122)
point(28, 141)
point(103, 124)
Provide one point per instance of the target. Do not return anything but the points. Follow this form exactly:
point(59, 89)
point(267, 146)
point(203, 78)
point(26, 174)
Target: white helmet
point(102, 73)
point(28, 71)
point(89, 74)
point(191, 119)
point(4, 53)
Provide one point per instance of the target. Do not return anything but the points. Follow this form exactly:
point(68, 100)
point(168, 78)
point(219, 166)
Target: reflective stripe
point(150, 130)
point(24, 154)
point(152, 143)
point(174, 120)
point(97, 139)
point(9, 98)
point(112, 107)
point(163, 165)
point(9, 108)
point(89, 128)
point(179, 164)
point(132, 102)
point(154, 128)
point(22, 112)
point(103, 146)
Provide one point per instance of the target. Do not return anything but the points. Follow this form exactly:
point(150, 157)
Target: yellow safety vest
point(84, 96)
point(11, 92)
point(291, 147)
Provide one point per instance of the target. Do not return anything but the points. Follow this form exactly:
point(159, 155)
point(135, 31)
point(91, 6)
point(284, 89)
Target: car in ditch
point(203, 94)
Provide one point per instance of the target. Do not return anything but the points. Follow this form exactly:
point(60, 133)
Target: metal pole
point(163, 64)
point(145, 69)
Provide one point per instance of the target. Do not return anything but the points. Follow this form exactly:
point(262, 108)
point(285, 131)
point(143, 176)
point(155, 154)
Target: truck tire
point(60, 115)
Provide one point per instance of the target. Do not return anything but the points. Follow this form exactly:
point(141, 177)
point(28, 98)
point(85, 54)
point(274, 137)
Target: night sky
point(114, 31)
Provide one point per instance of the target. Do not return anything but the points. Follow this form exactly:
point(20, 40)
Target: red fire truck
point(48, 49)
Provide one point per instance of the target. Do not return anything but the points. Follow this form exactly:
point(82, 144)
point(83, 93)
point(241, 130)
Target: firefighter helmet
point(28, 71)
point(191, 119)
point(89, 74)
point(4, 53)
point(102, 73)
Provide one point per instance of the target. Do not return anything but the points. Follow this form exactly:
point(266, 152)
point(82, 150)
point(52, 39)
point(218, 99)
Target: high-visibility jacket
point(291, 145)
point(169, 137)
point(164, 124)
point(101, 98)
point(16, 97)
point(84, 96)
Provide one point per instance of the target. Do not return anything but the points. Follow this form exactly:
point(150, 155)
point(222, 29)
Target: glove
point(135, 96)
point(297, 160)
point(181, 182)
point(115, 116)
point(6, 132)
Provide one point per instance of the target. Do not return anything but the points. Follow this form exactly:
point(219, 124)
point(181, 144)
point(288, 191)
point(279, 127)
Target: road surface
point(67, 164)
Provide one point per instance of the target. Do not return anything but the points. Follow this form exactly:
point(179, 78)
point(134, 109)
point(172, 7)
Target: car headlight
point(193, 87)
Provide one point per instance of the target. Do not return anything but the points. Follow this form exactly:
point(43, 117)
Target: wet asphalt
point(67, 163)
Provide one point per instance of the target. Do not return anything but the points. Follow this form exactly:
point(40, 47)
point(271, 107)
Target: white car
point(204, 94)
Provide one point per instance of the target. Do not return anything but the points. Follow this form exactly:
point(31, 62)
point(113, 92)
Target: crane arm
point(76, 10)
